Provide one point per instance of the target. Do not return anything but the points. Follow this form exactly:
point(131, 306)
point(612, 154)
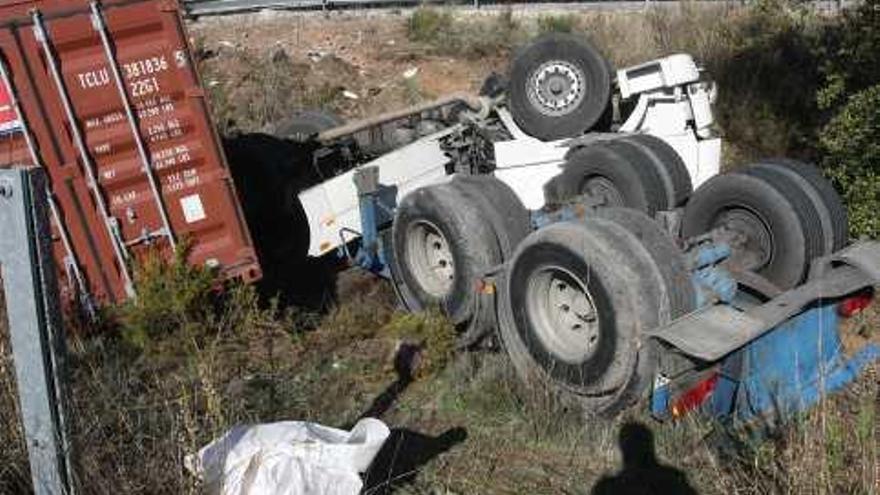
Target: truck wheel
point(667, 158)
point(759, 222)
point(812, 212)
point(508, 216)
point(441, 244)
point(560, 86)
point(573, 303)
point(666, 255)
point(825, 190)
point(605, 177)
point(303, 125)
point(652, 171)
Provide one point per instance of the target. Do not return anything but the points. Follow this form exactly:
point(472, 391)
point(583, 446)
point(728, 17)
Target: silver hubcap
point(601, 192)
point(563, 314)
point(749, 238)
point(430, 258)
point(556, 87)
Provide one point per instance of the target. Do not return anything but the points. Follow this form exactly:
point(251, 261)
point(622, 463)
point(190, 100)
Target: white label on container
point(193, 210)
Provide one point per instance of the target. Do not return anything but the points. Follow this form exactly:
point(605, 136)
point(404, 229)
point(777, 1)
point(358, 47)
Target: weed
point(431, 332)
point(447, 34)
point(171, 294)
point(427, 25)
point(565, 23)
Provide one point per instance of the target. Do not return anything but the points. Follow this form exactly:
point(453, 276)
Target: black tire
point(578, 67)
point(775, 246)
point(625, 289)
point(666, 255)
point(603, 174)
point(665, 156)
point(467, 238)
point(815, 218)
point(824, 188)
point(304, 125)
point(509, 218)
point(654, 172)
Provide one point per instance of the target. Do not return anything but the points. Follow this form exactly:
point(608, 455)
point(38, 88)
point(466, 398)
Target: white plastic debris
point(410, 73)
point(351, 95)
point(290, 457)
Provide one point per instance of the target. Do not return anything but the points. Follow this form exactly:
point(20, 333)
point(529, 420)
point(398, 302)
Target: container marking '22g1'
point(104, 95)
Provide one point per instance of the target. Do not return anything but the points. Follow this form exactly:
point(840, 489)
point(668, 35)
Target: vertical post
point(35, 326)
point(366, 181)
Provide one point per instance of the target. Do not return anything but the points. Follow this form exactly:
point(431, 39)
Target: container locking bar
point(72, 262)
point(101, 27)
point(119, 250)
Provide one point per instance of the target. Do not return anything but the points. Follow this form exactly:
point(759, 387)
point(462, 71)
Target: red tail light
point(695, 396)
point(855, 304)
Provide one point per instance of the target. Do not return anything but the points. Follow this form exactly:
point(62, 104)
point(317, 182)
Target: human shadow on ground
point(406, 361)
point(405, 451)
point(642, 473)
point(403, 455)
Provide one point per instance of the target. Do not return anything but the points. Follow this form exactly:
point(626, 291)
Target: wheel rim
point(430, 258)
point(556, 87)
point(601, 192)
point(563, 314)
point(749, 238)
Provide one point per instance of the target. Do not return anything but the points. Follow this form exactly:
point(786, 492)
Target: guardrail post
point(32, 306)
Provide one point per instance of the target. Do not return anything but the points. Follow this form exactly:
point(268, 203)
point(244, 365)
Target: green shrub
point(566, 23)
point(171, 294)
point(445, 34)
point(432, 332)
point(428, 25)
point(851, 146)
point(850, 54)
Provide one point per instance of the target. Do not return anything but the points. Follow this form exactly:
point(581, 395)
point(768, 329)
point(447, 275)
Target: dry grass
point(467, 424)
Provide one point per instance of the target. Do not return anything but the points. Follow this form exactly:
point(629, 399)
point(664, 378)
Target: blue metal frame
point(780, 374)
point(790, 369)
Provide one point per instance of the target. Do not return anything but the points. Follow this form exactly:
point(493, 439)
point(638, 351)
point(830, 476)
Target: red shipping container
point(105, 96)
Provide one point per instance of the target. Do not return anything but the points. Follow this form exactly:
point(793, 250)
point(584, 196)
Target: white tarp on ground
point(290, 457)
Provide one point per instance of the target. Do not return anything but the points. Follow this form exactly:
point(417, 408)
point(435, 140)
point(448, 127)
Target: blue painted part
point(712, 284)
point(660, 401)
point(566, 213)
point(709, 254)
point(370, 257)
point(790, 368)
point(724, 396)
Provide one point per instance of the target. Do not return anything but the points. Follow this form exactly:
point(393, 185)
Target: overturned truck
point(579, 219)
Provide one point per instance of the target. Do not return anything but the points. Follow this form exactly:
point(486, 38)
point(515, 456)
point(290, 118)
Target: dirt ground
point(364, 63)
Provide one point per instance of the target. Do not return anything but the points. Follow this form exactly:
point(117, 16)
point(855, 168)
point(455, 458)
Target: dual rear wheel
point(577, 297)
point(777, 216)
point(445, 237)
point(638, 171)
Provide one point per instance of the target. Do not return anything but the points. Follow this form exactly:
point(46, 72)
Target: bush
point(429, 25)
point(851, 145)
point(170, 295)
point(850, 54)
point(567, 23)
point(445, 34)
point(850, 95)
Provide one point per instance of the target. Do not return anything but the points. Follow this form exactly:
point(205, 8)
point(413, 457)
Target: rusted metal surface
point(105, 97)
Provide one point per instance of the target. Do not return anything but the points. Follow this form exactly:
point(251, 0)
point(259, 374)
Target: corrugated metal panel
point(171, 172)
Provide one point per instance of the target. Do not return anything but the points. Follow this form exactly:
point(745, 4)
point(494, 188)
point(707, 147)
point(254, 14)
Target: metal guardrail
point(218, 7)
